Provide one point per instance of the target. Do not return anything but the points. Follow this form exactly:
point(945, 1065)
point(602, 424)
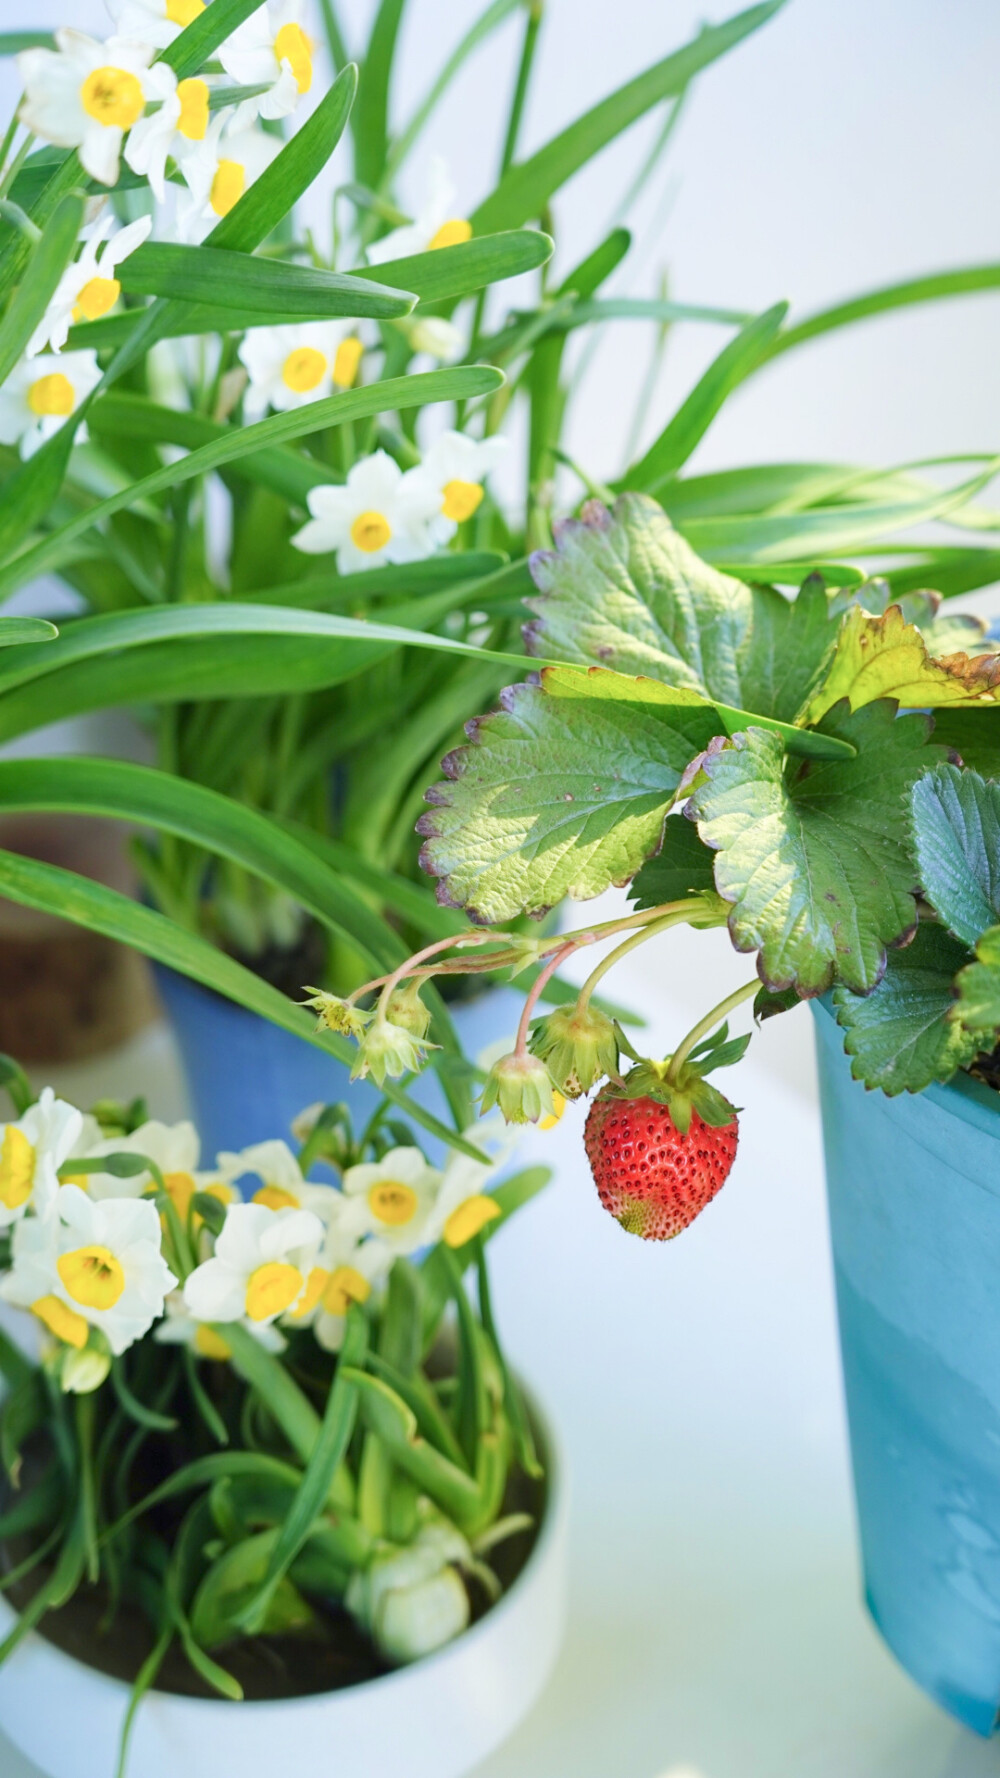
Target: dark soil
point(290, 969)
point(987, 1069)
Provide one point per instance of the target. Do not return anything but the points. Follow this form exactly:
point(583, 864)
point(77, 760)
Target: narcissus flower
point(290, 366)
point(260, 1267)
point(88, 288)
point(217, 171)
point(282, 1186)
point(456, 468)
point(154, 21)
point(85, 1264)
point(271, 48)
point(174, 1148)
point(87, 95)
point(464, 1206)
point(349, 1268)
point(180, 1328)
point(31, 1152)
point(379, 515)
point(177, 125)
point(40, 395)
point(435, 225)
point(394, 1199)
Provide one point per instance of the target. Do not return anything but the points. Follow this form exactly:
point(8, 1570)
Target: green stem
point(707, 1024)
point(88, 1497)
point(622, 950)
point(334, 36)
point(521, 1047)
point(531, 30)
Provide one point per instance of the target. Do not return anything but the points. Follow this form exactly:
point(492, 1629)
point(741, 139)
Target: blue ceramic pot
point(247, 1078)
point(914, 1188)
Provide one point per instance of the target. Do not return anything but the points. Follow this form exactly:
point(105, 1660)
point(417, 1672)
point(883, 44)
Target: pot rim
point(549, 1531)
point(970, 1100)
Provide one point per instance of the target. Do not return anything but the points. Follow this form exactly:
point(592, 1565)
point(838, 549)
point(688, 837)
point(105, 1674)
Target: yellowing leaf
point(885, 657)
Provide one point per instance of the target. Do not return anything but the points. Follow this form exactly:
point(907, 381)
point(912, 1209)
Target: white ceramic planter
point(436, 1719)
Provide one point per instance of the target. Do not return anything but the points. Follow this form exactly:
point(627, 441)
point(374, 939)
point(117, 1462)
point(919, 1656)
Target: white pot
point(436, 1719)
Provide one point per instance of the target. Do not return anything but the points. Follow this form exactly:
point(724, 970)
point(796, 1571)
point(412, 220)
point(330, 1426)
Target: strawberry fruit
point(660, 1148)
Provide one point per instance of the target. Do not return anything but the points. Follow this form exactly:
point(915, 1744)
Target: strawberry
point(659, 1148)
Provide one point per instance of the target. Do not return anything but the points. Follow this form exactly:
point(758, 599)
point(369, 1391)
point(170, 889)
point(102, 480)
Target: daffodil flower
point(175, 127)
point(282, 1186)
point(173, 1148)
point(379, 515)
point(217, 171)
point(154, 21)
point(88, 288)
point(348, 1269)
point(87, 95)
point(85, 1264)
point(260, 1267)
point(31, 1152)
point(291, 366)
point(40, 395)
point(394, 1199)
point(435, 225)
point(456, 468)
point(180, 1328)
point(464, 1205)
point(270, 49)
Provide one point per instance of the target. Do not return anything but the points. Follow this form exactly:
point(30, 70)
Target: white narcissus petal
point(214, 1292)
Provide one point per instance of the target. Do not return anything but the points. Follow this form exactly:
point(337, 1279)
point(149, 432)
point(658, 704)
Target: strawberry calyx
point(683, 1088)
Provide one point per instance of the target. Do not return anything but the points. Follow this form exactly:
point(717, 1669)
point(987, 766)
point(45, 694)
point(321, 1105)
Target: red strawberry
point(656, 1161)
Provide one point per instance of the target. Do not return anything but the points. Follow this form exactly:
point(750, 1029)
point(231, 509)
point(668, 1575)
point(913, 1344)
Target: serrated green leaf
point(956, 839)
point(814, 856)
point(525, 189)
point(263, 288)
point(904, 1036)
point(694, 416)
point(624, 590)
point(974, 735)
point(556, 797)
point(978, 1009)
point(886, 657)
point(684, 865)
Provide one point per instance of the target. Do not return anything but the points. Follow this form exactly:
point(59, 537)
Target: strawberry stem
point(521, 1046)
point(705, 1026)
point(661, 924)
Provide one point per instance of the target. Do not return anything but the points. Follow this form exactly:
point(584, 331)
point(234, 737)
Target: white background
point(716, 1629)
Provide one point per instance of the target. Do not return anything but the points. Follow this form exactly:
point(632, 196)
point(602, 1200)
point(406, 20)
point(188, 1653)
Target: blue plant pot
point(248, 1079)
point(914, 1189)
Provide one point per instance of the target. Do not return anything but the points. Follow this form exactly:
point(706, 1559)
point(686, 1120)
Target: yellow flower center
point(275, 1198)
point(210, 1344)
point(345, 364)
point(303, 369)
point(371, 531)
point(293, 46)
point(346, 1286)
point(180, 1190)
point(114, 97)
point(184, 12)
point(17, 1168)
point(227, 186)
point(193, 120)
point(92, 1276)
point(316, 1283)
point(451, 234)
point(65, 1323)
point(461, 500)
point(549, 1122)
point(96, 298)
point(470, 1219)
point(51, 395)
point(393, 1203)
point(271, 1289)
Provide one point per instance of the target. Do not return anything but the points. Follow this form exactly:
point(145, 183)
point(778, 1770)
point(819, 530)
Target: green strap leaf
point(371, 125)
point(48, 261)
point(933, 288)
point(199, 40)
point(525, 189)
point(956, 837)
point(904, 1035)
point(466, 267)
point(693, 418)
point(263, 288)
point(15, 631)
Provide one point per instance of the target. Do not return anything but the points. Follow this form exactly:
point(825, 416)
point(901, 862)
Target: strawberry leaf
point(905, 1034)
point(814, 854)
point(624, 590)
point(978, 1009)
point(879, 657)
point(555, 797)
point(684, 865)
point(956, 836)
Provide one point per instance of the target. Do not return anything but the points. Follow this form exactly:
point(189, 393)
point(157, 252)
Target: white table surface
point(716, 1628)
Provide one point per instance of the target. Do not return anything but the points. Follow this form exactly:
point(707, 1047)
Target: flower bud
point(80, 1373)
point(433, 334)
point(334, 1014)
point(408, 1010)
point(579, 1046)
point(522, 1087)
point(413, 1601)
point(386, 1050)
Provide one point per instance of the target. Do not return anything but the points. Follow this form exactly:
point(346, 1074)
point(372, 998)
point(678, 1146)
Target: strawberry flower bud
point(334, 1014)
point(522, 1087)
point(387, 1051)
point(579, 1045)
point(408, 1010)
